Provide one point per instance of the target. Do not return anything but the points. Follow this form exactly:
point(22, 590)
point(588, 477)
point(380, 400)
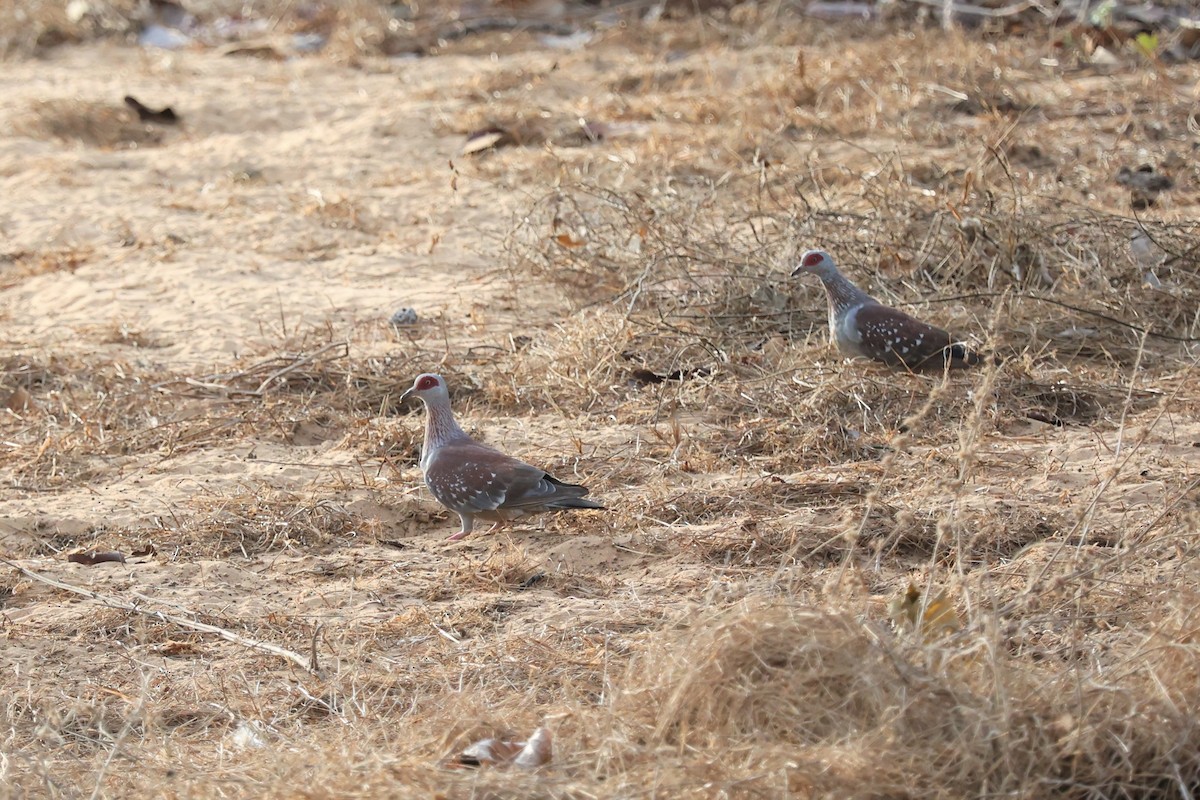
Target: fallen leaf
point(20, 401)
point(164, 116)
point(937, 618)
point(93, 557)
point(566, 240)
point(486, 139)
point(1146, 42)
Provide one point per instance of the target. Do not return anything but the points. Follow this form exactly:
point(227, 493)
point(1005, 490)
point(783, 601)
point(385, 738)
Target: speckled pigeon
point(862, 326)
point(477, 481)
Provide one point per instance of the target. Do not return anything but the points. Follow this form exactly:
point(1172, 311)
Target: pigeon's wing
point(899, 340)
point(470, 478)
point(544, 492)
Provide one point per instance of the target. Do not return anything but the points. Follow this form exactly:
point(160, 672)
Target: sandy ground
point(297, 206)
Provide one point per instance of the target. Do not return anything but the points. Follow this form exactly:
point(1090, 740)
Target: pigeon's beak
point(406, 395)
point(798, 270)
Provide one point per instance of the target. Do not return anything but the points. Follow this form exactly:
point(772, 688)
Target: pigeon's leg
point(468, 522)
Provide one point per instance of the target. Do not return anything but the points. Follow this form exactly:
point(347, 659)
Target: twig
point(220, 383)
point(463, 29)
point(980, 11)
point(203, 627)
point(313, 665)
point(447, 634)
point(299, 362)
point(1135, 542)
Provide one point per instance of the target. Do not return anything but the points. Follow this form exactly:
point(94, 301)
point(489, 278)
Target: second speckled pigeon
point(479, 482)
point(862, 326)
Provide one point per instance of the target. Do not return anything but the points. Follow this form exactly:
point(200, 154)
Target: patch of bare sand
point(290, 198)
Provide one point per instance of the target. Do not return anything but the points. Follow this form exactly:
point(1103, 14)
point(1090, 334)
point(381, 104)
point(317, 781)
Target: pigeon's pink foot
point(457, 536)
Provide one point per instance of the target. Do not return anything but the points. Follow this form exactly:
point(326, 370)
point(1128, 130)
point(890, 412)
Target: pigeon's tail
point(570, 495)
point(959, 357)
point(575, 502)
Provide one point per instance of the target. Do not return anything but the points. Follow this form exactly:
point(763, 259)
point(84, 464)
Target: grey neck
point(843, 295)
point(440, 428)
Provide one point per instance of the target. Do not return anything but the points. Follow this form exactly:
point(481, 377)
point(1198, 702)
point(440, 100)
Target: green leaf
point(1147, 43)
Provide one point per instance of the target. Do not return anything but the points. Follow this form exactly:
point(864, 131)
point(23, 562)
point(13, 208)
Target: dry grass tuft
point(873, 710)
point(250, 523)
point(22, 265)
point(91, 124)
point(760, 670)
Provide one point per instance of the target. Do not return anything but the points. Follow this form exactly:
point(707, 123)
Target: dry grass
point(723, 630)
point(94, 124)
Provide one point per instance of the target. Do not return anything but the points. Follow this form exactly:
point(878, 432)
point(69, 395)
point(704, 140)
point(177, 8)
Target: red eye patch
point(812, 259)
point(428, 382)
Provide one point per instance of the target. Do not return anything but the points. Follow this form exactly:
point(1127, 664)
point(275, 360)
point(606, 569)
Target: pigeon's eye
point(812, 259)
point(428, 382)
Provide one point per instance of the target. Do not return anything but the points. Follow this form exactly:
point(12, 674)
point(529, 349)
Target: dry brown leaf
point(20, 401)
point(93, 557)
point(937, 618)
point(176, 648)
point(567, 240)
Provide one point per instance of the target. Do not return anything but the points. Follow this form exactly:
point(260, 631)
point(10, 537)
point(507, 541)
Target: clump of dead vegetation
point(92, 124)
point(876, 709)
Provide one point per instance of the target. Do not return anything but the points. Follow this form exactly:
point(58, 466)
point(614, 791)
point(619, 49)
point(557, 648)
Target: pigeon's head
point(428, 387)
point(815, 262)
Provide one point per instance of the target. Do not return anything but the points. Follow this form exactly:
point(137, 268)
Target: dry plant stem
point(314, 665)
point(1085, 517)
point(968, 459)
point(301, 361)
point(220, 383)
point(112, 602)
point(1135, 543)
point(899, 445)
point(126, 728)
point(1129, 396)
